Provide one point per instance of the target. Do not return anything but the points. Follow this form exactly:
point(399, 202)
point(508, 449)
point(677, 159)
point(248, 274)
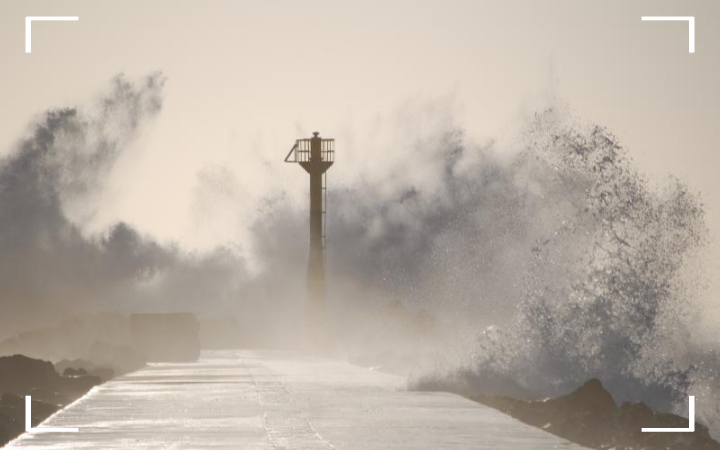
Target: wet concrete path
point(274, 400)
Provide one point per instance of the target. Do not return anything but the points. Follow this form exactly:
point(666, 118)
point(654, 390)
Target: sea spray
point(608, 294)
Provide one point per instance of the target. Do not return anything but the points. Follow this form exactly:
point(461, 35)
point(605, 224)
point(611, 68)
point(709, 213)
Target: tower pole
point(316, 261)
point(316, 160)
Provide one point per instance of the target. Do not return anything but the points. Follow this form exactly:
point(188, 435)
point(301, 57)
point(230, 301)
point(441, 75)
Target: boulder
point(71, 372)
point(19, 374)
point(77, 367)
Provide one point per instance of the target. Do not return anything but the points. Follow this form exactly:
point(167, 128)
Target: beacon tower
point(316, 155)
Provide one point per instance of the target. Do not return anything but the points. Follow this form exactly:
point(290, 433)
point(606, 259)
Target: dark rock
point(19, 374)
point(591, 396)
point(84, 367)
point(12, 415)
point(70, 372)
point(590, 417)
point(76, 387)
point(635, 416)
point(50, 397)
point(16, 404)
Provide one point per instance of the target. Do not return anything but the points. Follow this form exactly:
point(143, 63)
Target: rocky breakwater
point(50, 391)
point(590, 417)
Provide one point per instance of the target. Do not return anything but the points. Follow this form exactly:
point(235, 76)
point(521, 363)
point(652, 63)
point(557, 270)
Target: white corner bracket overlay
point(28, 26)
point(689, 19)
point(689, 429)
point(30, 429)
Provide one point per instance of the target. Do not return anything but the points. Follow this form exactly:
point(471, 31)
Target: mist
point(512, 264)
point(49, 185)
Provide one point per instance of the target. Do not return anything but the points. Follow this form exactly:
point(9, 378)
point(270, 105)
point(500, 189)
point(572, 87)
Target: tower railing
point(301, 151)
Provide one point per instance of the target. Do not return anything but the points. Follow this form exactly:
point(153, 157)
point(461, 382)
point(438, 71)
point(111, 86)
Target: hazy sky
point(246, 78)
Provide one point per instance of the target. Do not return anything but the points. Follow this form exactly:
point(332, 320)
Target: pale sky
point(246, 78)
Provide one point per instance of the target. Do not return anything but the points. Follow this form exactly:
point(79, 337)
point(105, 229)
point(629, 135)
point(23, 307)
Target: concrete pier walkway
point(271, 400)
